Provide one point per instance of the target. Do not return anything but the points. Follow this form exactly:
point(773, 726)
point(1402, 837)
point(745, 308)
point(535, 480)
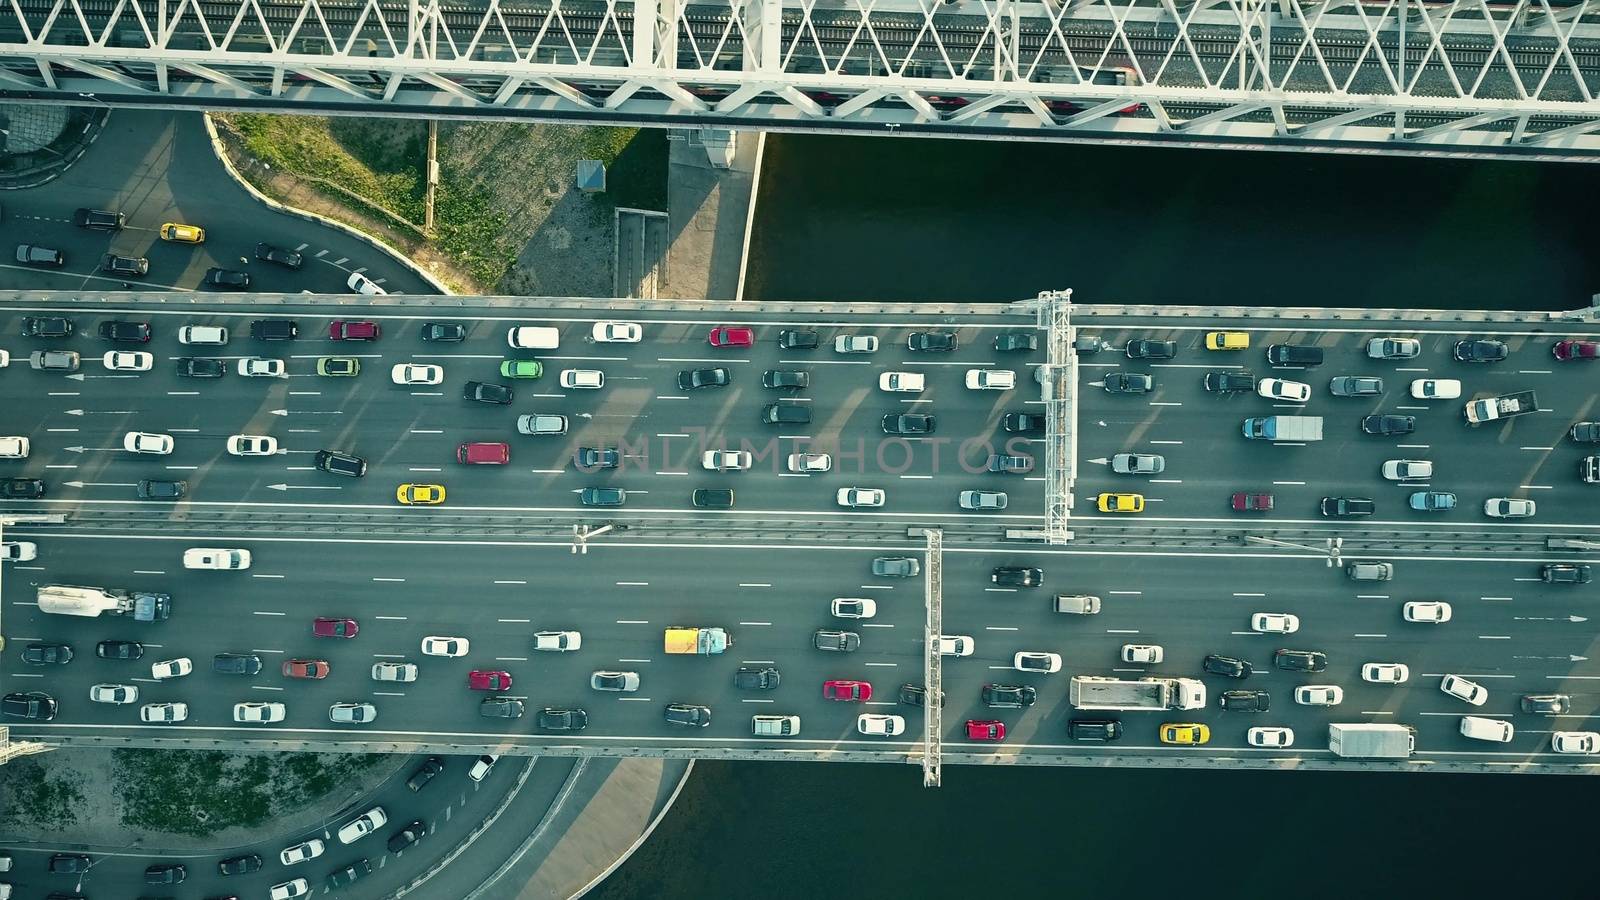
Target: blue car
point(1432, 501)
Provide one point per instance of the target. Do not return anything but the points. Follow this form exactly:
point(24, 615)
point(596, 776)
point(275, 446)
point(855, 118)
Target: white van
point(534, 337)
point(480, 768)
point(1081, 604)
point(774, 726)
point(13, 447)
point(203, 334)
point(1480, 728)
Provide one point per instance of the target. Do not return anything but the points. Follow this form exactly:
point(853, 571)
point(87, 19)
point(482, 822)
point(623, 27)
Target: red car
point(1576, 350)
point(480, 680)
point(305, 668)
point(986, 730)
point(340, 330)
point(846, 690)
point(339, 628)
point(484, 453)
point(1244, 501)
point(727, 336)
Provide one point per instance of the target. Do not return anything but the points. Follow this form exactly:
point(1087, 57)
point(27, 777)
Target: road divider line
point(1288, 483)
point(391, 618)
point(633, 621)
point(547, 471)
point(515, 621)
point(1494, 637)
point(1247, 594)
point(888, 665)
point(752, 700)
point(1536, 448)
point(376, 578)
point(253, 575)
point(149, 572)
point(427, 431)
point(876, 625)
point(633, 660)
point(1494, 598)
point(1166, 442)
point(1122, 631)
point(671, 473)
point(1359, 635)
point(999, 628)
point(1535, 487)
point(510, 659)
point(1372, 596)
point(62, 430)
point(424, 469)
point(754, 584)
point(264, 613)
point(1126, 593)
point(264, 687)
point(633, 584)
point(510, 582)
point(61, 466)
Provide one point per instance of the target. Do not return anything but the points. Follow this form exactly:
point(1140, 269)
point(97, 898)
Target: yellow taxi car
point(420, 494)
point(1120, 503)
point(183, 234)
point(1185, 733)
point(1227, 340)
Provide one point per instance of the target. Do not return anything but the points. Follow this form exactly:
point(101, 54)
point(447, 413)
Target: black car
point(119, 650)
point(226, 278)
point(791, 339)
point(151, 489)
point(1558, 573)
point(597, 458)
point(1019, 465)
point(274, 329)
point(340, 463)
point(917, 695)
point(125, 332)
point(239, 865)
point(1009, 341)
point(551, 719)
point(931, 341)
point(602, 496)
point(1129, 383)
point(348, 875)
point(688, 714)
point(443, 332)
point(1347, 507)
point(289, 259)
point(69, 864)
point(201, 367)
point(425, 773)
point(1300, 660)
point(1148, 349)
point(1585, 432)
point(712, 498)
point(1388, 424)
point(487, 392)
point(35, 705)
point(1023, 423)
point(751, 678)
point(779, 379)
point(1479, 351)
point(1546, 704)
point(895, 567)
point(1094, 729)
point(908, 423)
point(98, 219)
point(1226, 665)
point(165, 874)
point(1009, 696)
point(1229, 382)
point(407, 836)
point(1017, 576)
point(1245, 701)
point(236, 664)
point(837, 641)
point(46, 326)
point(689, 379)
point(21, 488)
point(47, 654)
point(786, 414)
point(501, 708)
point(131, 266)
point(1294, 355)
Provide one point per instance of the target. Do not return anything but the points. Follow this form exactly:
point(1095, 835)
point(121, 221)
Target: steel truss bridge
point(1454, 77)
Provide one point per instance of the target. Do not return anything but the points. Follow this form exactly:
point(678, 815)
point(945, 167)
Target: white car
point(1585, 742)
point(583, 379)
point(901, 382)
point(955, 645)
point(115, 694)
point(352, 713)
point(1279, 389)
point(809, 463)
point(289, 890)
point(1508, 508)
point(557, 641)
point(1149, 654)
point(128, 360)
point(412, 373)
point(879, 725)
point(257, 367)
point(614, 682)
point(1435, 389)
point(252, 445)
point(859, 497)
point(14, 447)
point(1479, 728)
point(991, 379)
point(616, 333)
point(259, 711)
point(163, 712)
point(1385, 673)
point(1274, 623)
point(171, 668)
point(18, 551)
point(855, 343)
point(482, 766)
point(1394, 348)
point(301, 852)
point(394, 671)
point(5, 358)
point(1407, 469)
point(147, 442)
point(1462, 689)
point(216, 558)
point(726, 460)
point(1270, 737)
point(854, 607)
point(1430, 611)
point(445, 646)
point(1036, 661)
point(363, 825)
point(361, 284)
point(1319, 695)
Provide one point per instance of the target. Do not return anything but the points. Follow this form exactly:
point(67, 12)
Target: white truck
point(1372, 740)
point(71, 600)
point(1283, 428)
point(1154, 692)
point(683, 639)
point(1504, 407)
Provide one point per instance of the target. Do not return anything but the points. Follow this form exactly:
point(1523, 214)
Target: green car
point(338, 366)
point(521, 368)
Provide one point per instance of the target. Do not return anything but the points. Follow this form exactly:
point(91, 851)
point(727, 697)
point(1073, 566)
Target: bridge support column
point(933, 698)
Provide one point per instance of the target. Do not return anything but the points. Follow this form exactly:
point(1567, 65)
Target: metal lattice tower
point(1453, 77)
point(10, 749)
point(933, 699)
point(1058, 380)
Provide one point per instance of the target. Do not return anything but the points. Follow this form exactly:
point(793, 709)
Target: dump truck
point(1372, 740)
point(1102, 692)
point(71, 600)
point(1283, 428)
point(698, 641)
point(1502, 407)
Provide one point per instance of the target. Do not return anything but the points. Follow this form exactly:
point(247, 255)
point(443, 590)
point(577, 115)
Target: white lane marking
point(390, 618)
point(510, 582)
point(253, 575)
point(1535, 487)
point(1360, 635)
point(515, 621)
point(1494, 598)
point(1288, 483)
point(755, 623)
point(376, 578)
point(633, 621)
point(633, 584)
point(1122, 631)
point(1133, 593)
point(1494, 637)
point(1536, 448)
point(889, 665)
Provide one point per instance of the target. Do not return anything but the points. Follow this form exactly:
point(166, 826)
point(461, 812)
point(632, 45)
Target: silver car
point(352, 713)
point(1138, 464)
point(625, 682)
point(982, 500)
point(1355, 386)
point(394, 671)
